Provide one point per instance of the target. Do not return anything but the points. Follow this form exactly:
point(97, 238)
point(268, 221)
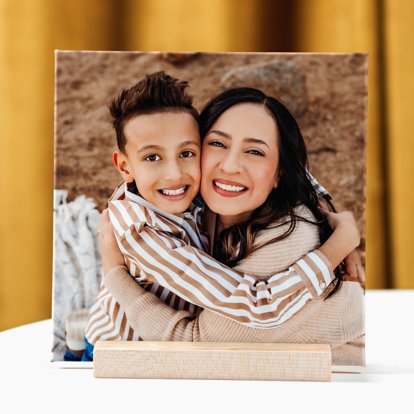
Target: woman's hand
point(110, 253)
point(354, 269)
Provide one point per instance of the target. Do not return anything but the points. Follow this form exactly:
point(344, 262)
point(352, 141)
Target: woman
point(266, 217)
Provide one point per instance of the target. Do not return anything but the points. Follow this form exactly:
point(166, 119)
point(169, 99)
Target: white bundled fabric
point(77, 270)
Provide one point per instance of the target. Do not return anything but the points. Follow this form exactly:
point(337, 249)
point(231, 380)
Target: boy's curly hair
point(157, 92)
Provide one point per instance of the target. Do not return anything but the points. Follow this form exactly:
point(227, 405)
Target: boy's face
point(163, 157)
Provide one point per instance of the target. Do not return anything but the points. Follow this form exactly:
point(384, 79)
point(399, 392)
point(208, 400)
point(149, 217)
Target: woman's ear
point(277, 176)
point(121, 163)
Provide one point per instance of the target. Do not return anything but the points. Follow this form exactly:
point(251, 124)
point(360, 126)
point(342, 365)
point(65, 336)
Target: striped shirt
point(107, 319)
point(166, 253)
point(320, 190)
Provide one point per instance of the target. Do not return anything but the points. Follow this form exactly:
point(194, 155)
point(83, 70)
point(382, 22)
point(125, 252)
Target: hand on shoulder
point(343, 240)
point(344, 223)
point(108, 246)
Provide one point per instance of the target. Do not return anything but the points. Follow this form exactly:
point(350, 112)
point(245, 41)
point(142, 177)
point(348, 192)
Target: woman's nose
point(230, 163)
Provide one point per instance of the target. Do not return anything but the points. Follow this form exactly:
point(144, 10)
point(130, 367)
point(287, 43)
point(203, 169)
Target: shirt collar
point(129, 191)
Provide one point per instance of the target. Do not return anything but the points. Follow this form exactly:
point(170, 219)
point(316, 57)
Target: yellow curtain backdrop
point(30, 31)
point(353, 26)
point(399, 69)
point(183, 25)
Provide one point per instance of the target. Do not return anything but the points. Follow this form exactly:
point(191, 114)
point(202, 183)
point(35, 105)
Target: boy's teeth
point(174, 192)
point(229, 187)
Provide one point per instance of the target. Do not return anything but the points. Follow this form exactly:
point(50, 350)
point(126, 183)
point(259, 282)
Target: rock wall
point(326, 92)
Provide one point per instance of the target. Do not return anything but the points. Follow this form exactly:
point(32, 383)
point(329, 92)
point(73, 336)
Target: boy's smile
point(175, 193)
point(163, 158)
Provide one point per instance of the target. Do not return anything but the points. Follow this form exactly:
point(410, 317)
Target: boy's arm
point(196, 277)
point(154, 319)
point(353, 265)
point(320, 190)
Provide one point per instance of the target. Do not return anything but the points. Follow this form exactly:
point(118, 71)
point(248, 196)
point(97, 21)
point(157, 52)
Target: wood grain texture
point(210, 360)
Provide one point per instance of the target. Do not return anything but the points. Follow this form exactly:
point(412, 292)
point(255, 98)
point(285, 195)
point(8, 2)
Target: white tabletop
point(29, 381)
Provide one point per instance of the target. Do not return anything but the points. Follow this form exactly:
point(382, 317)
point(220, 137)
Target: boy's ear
point(121, 163)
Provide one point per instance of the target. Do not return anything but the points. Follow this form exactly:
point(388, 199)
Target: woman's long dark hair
point(294, 185)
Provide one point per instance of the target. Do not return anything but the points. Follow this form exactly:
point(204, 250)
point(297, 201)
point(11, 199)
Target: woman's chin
point(223, 208)
point(231, 216)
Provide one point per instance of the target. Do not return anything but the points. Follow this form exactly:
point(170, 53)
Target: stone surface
point(326, 92)
point(282, 79)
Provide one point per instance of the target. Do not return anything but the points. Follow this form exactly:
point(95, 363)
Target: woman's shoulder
point(302, 211)
point(271, 255)
point(305, 223)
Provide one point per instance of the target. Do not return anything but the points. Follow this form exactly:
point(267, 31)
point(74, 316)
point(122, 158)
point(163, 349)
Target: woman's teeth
point(234, 188)
point(174, 192)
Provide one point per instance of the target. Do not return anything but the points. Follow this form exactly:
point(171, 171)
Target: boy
point(159, 159)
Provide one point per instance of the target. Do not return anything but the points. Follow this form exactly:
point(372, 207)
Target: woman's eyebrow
point(221, 133)
point(256, 141)
point(248, 139)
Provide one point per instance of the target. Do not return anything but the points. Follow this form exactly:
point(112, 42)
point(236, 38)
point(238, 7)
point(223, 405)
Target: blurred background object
point(30, 31)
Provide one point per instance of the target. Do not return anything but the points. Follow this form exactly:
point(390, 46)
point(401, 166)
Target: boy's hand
point(344, 223)
point(110, 253)
point(344, 239)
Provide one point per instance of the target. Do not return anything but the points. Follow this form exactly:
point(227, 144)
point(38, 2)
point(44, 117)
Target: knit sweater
point(338, 321)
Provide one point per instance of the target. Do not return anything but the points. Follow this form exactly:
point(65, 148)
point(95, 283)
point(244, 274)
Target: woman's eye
point(256, 152)
point(216, 144)
point(152, 158)
point(187, 154)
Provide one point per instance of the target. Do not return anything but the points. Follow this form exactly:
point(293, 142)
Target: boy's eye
point(187, 154)
point(152, 158)
point(216, 144)
point(256, 152)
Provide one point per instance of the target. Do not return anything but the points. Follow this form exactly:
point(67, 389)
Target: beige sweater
point(338, 321)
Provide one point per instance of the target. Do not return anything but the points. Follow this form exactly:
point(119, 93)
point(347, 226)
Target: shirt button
point(322, 285)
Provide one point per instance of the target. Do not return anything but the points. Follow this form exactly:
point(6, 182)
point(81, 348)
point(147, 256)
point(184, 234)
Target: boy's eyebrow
point(157, 147)
point(248, 139)
point(150, 146)
point(190, 142)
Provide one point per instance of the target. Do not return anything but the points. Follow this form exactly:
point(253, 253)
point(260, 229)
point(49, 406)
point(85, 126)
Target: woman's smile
point(228, 188)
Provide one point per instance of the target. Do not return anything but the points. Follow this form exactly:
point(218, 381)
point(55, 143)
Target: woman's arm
point(147, 314)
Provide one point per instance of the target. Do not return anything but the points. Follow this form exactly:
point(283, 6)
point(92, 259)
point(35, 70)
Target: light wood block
point(211, 360)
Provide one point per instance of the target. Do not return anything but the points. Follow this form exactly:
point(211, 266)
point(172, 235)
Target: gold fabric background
point(30, 31)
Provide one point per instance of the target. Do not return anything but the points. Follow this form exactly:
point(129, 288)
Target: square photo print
point(209, 197)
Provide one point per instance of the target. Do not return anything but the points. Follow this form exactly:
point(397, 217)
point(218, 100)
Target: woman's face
point(239, 162)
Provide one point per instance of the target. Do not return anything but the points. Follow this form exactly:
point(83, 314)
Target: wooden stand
point(212, 360)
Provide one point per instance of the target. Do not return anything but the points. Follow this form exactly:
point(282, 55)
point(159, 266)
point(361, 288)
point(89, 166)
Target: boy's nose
point(173, 172)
